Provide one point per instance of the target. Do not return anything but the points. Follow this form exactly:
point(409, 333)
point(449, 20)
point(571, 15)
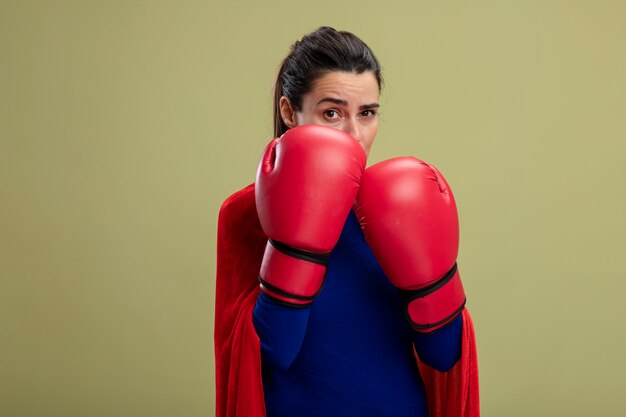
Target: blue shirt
point(351, 352)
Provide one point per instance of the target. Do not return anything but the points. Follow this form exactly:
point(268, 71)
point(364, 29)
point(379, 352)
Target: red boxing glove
point(409, 218)
point(306, 184)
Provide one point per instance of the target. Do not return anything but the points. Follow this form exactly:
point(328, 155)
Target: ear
point(287, 112)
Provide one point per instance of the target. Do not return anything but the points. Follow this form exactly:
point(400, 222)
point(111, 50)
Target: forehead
point(354, 88)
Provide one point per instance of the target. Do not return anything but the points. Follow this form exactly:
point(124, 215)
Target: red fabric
point(240, 246)
point(239, 387)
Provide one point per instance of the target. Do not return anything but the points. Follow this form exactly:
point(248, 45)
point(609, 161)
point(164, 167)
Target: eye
point(368, 113)
point(331, 114)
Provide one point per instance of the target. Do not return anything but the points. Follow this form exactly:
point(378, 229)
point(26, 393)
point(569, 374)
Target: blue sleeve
point(442, 348)
point(281, 330)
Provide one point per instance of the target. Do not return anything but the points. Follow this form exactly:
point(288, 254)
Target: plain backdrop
point(125, 124)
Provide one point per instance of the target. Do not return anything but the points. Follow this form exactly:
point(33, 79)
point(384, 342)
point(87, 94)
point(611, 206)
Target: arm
point(307, 182)
point(409, 218)
point(281, 330)
point(441, 349)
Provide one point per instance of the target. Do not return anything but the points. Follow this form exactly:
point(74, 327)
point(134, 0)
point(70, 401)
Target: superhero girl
point(338, 292)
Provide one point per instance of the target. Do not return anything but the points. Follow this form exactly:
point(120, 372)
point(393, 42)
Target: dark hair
point(318, 53)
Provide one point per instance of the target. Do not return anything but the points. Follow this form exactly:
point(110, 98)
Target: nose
point(351, 127)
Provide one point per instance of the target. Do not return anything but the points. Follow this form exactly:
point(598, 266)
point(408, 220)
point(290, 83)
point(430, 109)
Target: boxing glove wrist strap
point(318, 258)
point(292, 276)
point(434, 306)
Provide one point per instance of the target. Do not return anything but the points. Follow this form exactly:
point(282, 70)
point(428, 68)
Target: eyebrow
point(345, 103)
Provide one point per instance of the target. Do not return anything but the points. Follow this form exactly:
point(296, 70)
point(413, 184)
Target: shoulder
point(238, 204)
point(240, 241)
point(238, 219)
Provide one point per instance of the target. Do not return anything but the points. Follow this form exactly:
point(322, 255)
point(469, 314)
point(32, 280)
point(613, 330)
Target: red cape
point(239, 385)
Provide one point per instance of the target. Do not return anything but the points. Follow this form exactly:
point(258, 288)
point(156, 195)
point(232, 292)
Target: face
point(343, 100)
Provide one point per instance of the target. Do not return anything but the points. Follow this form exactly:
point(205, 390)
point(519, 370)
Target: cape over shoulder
point(240, 246)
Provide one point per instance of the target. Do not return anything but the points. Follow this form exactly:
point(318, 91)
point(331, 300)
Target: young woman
point(356, 266)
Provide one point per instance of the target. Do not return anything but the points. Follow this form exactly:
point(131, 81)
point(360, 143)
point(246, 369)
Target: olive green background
point(125, 124)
